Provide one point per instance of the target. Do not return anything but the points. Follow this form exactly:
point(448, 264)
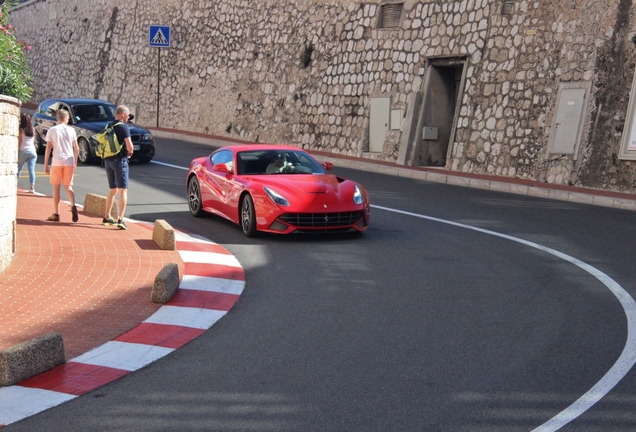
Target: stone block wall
point(9, 123)
point(304, 72)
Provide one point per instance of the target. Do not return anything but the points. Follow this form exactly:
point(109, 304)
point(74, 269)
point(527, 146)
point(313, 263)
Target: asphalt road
point(458, 310)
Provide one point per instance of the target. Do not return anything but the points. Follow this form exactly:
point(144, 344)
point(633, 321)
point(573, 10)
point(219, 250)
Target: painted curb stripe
point(168, 336)
point(213, 270)
point(209, 258)
point(187, 317)
point(18, 402)
point(203, 299)
point(190, 238)
point(123, 355)
point(201, 247)
point(204, 283)
point(74, 378)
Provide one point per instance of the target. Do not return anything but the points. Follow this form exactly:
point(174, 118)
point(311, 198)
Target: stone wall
point(9, 123)
point(304, 72)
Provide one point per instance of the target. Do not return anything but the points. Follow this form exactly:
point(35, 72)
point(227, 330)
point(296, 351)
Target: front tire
point(84, 156)
point(195, 204)
point(248, 216)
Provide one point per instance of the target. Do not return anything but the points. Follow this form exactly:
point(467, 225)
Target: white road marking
point(123, 355)
point(212, 284)
point(169, 165)
point(18, 402)
point(197, 318)
point(203, 257)
point(624, 362)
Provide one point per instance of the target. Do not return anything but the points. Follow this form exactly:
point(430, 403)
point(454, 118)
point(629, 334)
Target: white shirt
point(62, 136)
point(273, 168)
point(27, 144)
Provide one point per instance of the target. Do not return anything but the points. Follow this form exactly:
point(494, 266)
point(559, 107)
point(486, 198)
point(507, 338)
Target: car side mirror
point(328, 166)
point(221, 167)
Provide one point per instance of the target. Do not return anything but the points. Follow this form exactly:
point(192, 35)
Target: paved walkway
point(87, 281)
point(60, 280)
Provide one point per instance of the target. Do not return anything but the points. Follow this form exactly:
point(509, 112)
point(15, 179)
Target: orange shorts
point(62, 175)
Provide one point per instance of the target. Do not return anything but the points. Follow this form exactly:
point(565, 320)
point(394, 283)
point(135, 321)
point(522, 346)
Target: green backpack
point(107, 143)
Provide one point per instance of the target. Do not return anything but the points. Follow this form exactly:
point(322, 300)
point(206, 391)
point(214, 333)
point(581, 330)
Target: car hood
point(319, 188)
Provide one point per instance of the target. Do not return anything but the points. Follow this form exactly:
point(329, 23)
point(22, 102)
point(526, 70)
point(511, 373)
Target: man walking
point(117, 169)
point(62, 144)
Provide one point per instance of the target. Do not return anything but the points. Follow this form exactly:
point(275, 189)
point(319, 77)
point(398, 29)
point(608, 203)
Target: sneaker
point(54, 218)
point(121, 224)
point(75, 216)
point(32, 190)
point(109, 221)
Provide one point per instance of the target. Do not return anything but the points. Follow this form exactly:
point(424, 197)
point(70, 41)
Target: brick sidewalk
point(89, 282)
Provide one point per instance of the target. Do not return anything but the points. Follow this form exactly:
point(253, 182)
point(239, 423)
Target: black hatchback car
point(88, 117)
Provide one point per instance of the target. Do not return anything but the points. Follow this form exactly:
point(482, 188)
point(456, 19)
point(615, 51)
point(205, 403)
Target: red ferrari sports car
point(275, 188)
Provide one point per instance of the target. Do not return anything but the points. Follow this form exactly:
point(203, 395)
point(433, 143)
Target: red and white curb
point(212, 282)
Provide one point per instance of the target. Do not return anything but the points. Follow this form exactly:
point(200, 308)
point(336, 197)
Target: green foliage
point(15, 76)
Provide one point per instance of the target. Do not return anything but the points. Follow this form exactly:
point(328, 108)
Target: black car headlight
point(146, 136)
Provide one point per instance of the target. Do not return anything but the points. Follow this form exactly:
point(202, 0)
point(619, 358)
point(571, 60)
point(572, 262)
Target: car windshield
point(270, 162)
point(93, 112)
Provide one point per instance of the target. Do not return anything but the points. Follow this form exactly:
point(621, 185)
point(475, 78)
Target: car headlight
point(358, 198)
point(276, 197)
point(146, 137)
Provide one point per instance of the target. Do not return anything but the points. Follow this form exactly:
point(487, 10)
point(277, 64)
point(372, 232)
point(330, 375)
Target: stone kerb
point(166, 284)
point(167, 280)
point(96, 205)
point(9, 123)
point(31, 358)
point(163, 235)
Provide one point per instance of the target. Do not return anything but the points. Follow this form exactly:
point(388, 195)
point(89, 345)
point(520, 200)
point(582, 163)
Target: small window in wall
point(508, 8)
point(628, 144)
point(390, 15)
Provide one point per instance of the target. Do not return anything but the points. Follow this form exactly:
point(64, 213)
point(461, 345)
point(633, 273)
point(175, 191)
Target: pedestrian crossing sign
point(159, 36)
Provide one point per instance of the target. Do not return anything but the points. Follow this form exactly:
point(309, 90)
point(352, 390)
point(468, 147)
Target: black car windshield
point(91, 112)
point(277, 162)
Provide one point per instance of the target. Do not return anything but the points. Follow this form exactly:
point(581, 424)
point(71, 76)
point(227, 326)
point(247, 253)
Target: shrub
point(15, 76)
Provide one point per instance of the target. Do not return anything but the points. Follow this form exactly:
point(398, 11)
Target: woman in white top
point(26, 149)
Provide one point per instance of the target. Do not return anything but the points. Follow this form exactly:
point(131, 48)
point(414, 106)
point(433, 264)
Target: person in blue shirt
point(117, 169)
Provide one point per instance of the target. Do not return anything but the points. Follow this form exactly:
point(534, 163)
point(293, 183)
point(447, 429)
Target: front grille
point(321, 220)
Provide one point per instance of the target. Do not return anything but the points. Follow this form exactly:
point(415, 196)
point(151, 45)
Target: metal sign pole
point(158, 80)
point(158, 36)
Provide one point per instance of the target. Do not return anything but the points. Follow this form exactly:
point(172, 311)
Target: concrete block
point(96, 205)
point(163, 235)
point(31, 358)
point(166, 284)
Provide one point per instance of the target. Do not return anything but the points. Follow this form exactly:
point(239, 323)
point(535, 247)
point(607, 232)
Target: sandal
point(75, 216)
point(54, 218)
